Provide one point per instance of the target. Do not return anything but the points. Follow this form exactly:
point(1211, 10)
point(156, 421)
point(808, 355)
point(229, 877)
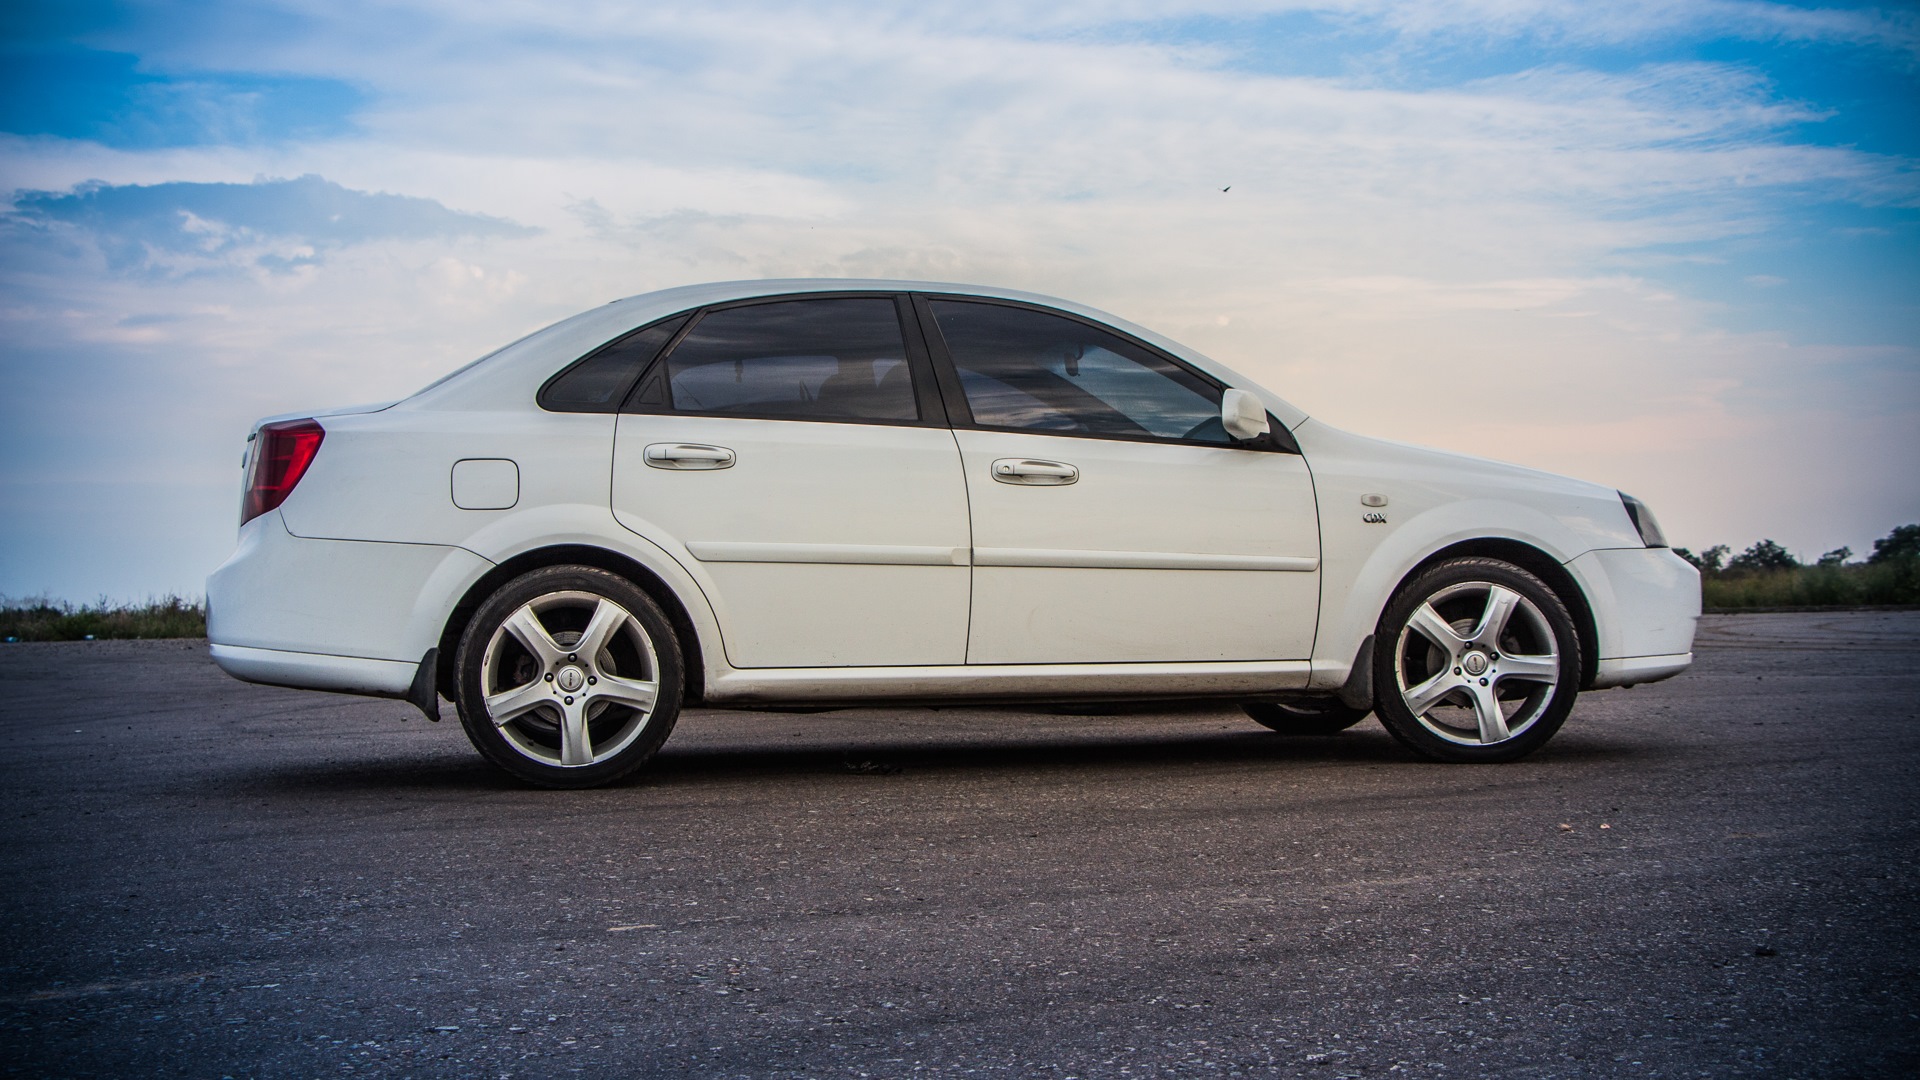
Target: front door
point(1113, 517)
point(794, 450)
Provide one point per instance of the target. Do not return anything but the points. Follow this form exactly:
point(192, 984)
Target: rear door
point(1113, 517)
point(796, 448)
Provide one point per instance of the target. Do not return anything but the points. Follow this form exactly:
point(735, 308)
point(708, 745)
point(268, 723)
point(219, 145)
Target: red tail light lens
point(281, 454)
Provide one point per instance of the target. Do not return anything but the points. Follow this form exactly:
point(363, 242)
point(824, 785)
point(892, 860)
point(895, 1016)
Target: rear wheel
point(568, 677)
point(1477, 661)
point(1315, 715)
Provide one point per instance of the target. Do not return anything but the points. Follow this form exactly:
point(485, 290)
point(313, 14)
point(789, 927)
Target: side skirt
point(994, 683)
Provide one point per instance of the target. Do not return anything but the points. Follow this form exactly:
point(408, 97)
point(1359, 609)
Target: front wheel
point(568, 677)
point(1476, 660)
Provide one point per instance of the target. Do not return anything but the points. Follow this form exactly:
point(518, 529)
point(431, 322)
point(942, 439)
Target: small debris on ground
point(870, 768)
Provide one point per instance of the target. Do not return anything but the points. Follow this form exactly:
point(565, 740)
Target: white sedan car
point(834, 492)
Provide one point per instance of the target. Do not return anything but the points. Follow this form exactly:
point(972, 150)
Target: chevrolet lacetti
point(824, 493)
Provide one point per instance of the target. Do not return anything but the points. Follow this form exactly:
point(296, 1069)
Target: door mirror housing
point(1243, 415)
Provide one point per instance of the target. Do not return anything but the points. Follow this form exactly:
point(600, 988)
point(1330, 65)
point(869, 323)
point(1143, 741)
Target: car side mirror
point(1243, 415)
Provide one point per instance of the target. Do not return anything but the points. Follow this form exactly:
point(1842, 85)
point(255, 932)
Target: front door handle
point(1034, 473)
point(663, 455)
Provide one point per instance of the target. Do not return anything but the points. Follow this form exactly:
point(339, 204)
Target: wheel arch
point(574, 555)
point(1540, 565)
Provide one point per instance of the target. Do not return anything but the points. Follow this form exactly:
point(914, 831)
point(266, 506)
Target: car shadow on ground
point(1368, 745)
point(962, 753)
point(982, 753)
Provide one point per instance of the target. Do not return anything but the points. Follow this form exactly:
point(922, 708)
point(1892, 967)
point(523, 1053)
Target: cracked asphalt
point(1713, 876)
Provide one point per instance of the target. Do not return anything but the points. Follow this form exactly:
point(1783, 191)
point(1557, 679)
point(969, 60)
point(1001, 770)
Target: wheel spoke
point(1486, 709)
point(525, 627)
point(1428, 694)
point(1501, 602)
point(576, 744)
point(608, 618)
point(1435, 629)
point(619, 691)
point(1544, 669)
point(509, 705)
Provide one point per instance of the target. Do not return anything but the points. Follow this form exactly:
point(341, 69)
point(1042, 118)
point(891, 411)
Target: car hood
point(1445, 462)
point(1421, 480)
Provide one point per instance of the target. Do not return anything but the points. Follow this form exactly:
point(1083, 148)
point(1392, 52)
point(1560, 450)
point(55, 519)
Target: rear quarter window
point(599, 381)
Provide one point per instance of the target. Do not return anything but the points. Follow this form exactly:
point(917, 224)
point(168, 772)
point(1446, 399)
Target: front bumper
point(1633, 670)
point(1646, 605)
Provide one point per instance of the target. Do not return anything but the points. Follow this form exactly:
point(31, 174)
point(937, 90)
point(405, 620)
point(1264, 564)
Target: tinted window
point(828, 359)
point(1034, 371)
point(599, 382)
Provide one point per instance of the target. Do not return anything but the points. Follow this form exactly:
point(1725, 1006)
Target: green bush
point(1846, 585)
point(1767, 575)
point(1902, 543)
point(42, 619)
point(1763, 555)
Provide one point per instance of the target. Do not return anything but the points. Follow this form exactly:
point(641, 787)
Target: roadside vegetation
point(1767, 575)
point(41, 619)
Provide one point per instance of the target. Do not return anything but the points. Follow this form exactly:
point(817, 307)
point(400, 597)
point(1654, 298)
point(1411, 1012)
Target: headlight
point(1643, 520)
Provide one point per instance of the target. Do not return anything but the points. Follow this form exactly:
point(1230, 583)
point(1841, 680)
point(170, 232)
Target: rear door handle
point(662, 455)
point(1034, 473)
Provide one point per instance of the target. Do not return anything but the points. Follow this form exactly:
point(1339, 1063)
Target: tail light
point(281, 454)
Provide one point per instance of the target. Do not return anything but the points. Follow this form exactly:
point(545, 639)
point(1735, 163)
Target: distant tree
point(1763, 555)
point(1901, 544)
point(1710, 561)
point(1835, 557)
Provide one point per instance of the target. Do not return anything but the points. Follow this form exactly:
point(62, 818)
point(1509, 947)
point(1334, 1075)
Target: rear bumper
point(324, 610)
point(316, 671)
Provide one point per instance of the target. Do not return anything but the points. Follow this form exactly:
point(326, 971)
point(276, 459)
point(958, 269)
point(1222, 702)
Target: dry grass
point(41, 619)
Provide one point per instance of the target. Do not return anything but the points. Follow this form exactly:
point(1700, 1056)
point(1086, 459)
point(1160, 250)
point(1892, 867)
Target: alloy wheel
point(570, 678)
point(1477, 663)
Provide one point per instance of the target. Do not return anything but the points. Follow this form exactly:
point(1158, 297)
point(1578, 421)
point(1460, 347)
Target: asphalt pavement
point(1713, 876)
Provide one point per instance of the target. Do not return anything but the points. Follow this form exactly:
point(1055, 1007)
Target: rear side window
point(816, 359)
point(599, 382)
point(1034, 371)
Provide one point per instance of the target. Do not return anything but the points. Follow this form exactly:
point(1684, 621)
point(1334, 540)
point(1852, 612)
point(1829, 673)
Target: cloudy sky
point(1669, 246)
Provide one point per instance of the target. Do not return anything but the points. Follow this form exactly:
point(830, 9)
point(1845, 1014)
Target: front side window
point(1034, 371)
point(816, 359)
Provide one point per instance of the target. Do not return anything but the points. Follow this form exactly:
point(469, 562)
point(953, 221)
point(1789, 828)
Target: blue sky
point(1673, 247)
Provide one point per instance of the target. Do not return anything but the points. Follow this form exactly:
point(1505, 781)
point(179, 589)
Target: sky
point(1672, 246)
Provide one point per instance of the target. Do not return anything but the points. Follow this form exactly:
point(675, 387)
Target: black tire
point(1305, 715)
point(1497, 638)
point(609, 710)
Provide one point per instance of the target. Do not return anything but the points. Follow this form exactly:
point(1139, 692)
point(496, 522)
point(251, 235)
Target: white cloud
point(1442, 266)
